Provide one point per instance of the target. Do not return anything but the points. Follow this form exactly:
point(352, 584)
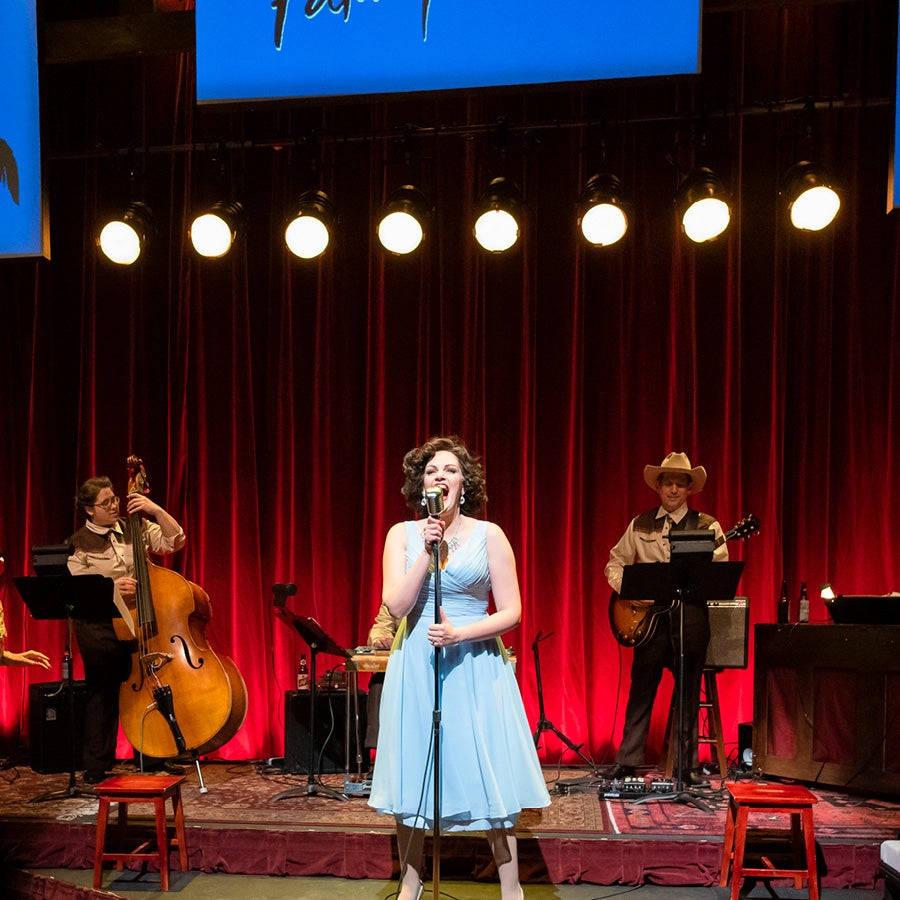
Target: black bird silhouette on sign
point(9, 170)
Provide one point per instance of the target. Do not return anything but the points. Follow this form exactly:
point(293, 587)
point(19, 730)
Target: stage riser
point(556, 860)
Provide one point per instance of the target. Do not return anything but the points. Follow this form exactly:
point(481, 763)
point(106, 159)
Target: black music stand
point(88, 598)
point(319, 642)
point(687, 578)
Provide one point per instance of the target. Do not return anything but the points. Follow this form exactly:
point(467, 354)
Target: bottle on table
point(784, 605)
point(803, 607)
point(303, 674)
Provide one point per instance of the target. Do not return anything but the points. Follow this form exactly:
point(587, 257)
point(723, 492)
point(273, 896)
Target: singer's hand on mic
point(443, 635)
point(433, 533)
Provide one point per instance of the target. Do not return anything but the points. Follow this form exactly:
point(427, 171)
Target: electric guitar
point(633, 625)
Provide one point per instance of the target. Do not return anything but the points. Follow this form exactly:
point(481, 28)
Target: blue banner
point(255, 49)
point(22, 229)
point(893, 200)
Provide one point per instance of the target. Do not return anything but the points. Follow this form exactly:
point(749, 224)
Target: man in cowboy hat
point(645, 540)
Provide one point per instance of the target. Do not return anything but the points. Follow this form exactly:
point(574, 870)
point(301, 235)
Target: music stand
point(88, 598)
point(319, 642)
point(688, 577)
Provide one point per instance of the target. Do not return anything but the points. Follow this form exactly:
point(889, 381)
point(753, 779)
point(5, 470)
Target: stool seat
point(155, 789)
point(793, 800)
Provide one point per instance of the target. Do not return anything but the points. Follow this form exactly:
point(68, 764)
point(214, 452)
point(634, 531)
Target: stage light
point(215, 230)
point(123, 240)
point(603, 218)
point(811, 200)
point(826, 592)
point(309, 232)
point(701, 201)
point(497, 216)
point(402, 228)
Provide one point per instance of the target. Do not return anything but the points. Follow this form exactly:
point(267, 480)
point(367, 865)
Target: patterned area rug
point(241, 795)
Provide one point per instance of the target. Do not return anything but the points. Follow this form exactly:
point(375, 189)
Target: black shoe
point(94, 776)
point(695, 778)
point(621, 771)
point(173, 768)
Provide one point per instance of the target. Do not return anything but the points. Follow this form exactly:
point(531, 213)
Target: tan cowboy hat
point(676, 464)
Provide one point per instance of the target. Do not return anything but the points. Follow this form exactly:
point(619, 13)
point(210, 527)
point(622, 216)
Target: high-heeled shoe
point(420, 891)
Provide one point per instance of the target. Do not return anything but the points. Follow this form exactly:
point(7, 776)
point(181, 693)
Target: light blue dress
point(489, 768)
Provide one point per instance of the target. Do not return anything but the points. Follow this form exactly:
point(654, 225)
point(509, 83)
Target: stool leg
point(102, 814)
point(810, 841)
point(179, 828)
point(162, 842)
point(712, 695)
point(728, 847)
point(797, 847)
point(737, 871)
point(122, 818)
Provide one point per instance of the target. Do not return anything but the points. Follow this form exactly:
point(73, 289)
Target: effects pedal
point(633, 787)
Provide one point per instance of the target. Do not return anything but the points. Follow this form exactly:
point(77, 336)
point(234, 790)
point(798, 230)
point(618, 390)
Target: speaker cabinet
point(330, 723)
point(50, 744)
point(728, 627)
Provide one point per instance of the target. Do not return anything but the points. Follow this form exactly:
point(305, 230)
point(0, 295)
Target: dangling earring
point(462, 498)
point(424, 501)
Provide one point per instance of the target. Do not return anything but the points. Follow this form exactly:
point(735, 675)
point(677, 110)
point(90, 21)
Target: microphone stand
point(436, 728)
point(543, 723)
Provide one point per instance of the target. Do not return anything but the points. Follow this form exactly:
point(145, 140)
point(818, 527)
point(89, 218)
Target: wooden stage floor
point(238, 827)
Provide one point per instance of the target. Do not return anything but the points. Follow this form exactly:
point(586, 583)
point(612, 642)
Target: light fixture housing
point(497, 216)
point(702, 203)
point(812, 201)
point(603, 218)
point(308, 233)
point(215, 230)
point(402, 225)
point(123, 240)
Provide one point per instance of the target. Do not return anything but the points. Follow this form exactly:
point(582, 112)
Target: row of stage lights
point(811, 201)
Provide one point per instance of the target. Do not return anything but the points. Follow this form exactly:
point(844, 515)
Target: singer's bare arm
point(400, 587)
point(505, 590)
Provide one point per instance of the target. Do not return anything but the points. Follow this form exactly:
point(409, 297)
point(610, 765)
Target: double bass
point(180, 696)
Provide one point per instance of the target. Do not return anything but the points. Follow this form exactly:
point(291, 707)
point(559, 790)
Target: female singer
point(489, 768)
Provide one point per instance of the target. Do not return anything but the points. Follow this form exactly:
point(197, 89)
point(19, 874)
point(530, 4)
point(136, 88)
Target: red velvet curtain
point(272, 400)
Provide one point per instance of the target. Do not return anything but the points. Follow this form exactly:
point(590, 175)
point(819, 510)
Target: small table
point(790, 799)
point(155, 789)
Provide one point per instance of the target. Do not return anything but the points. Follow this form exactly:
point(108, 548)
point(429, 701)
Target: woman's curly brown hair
point(417, 459)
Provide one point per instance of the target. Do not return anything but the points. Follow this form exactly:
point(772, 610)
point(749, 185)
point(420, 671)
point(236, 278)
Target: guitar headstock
point(138, 480)
point(747, 526)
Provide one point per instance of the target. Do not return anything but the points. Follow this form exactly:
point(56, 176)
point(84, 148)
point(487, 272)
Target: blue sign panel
point(21, 221)
point(894, 176)
point(254, 49)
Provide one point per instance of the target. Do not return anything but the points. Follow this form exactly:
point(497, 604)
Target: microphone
point(434, 501)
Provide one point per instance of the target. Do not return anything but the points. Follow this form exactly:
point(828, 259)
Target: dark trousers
point(107, 661)
point(661, 652)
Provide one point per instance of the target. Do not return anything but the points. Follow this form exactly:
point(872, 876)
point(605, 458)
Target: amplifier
point(330, 718)
point(728, 630)
point(50, 742)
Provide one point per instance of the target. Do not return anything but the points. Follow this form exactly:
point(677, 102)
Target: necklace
point(453, 542)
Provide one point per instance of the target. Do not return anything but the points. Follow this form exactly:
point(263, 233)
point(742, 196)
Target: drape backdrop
point(272, 400)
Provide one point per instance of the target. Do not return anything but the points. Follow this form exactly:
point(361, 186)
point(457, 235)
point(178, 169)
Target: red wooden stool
point(790, 799)
point(155, 789)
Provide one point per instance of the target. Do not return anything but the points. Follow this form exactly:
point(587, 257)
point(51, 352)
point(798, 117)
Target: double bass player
point(102, 547)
